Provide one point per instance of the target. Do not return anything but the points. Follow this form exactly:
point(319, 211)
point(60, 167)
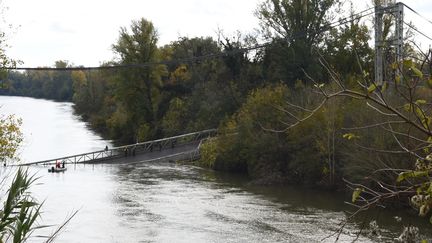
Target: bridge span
point(182, 147)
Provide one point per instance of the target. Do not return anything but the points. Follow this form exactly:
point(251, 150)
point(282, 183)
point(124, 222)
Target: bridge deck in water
point(182, 147)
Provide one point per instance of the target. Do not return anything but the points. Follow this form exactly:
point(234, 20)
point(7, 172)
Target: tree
point(347, 46)
point(5, 61)
point(294, 27)
point(81, 91)
point(191, 81)
point(10, 137)
point(295, 20)
point(62, 82)
point(242, 146)
point(138, 87)
point(10, 134)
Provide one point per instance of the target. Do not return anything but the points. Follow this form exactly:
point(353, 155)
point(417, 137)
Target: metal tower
point(397, 11)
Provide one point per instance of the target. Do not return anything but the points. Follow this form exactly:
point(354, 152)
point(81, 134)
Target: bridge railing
point(132, 149)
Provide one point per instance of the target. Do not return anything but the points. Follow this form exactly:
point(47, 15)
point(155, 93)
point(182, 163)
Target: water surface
point(50, 129)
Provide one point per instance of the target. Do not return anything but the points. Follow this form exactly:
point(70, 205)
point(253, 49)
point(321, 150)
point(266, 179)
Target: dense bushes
point(255, 140)
point(247, 144)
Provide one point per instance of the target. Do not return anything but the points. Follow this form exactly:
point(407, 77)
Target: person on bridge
point(126, 151)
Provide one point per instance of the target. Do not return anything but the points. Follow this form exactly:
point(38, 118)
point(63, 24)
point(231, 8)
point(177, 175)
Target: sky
point(83, 31)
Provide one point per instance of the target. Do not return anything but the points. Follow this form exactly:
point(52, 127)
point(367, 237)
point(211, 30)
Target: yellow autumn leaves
point(10, 137)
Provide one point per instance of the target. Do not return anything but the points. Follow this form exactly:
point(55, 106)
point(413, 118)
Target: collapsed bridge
point(181, 147)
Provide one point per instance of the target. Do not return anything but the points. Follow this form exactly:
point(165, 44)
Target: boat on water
point(56, 170)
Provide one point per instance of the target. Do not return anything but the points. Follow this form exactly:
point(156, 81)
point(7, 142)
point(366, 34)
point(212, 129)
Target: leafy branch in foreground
point(406, 117)
point(10, 137)
point(401, 111)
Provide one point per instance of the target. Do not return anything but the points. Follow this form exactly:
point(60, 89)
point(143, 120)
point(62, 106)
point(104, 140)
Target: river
point(165, 202)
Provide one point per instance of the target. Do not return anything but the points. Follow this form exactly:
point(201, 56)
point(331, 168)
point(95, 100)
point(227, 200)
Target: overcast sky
point(82, 31)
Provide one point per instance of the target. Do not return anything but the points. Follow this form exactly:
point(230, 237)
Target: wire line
point(323, 29)
point(417, 13)
point(418, 31)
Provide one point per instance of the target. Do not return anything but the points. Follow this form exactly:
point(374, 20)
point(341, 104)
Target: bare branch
point(382, 150)
point(412, 152)
point(298, 107)
point(286, 111)
point(374, 125)
point(379, 111)
point(296, 123)
point(406, 135)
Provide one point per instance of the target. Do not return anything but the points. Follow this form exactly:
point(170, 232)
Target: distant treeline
point(40, 84)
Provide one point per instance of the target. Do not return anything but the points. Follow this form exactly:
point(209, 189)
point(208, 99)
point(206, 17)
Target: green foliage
point(429, 82)
point(208, 153)
point(260, 109)
point(175, 118)
point(5, 61)
point(41, 84)
point(10, 137)
point(144, 132)
point(398, 130)
point(371, 88)
point(356, 194)
point(243, 146)
point(422, 201)
point(411, 174)
point(18, 217)
point(300, 155)
point(294, 26)
point(118, 124)
point(416, 72)
point(347, 49)
point(288, 18)
point(138, 88)
point(82, 96)
point(350, 136)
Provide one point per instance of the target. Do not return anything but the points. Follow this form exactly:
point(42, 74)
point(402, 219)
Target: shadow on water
point(306, 200)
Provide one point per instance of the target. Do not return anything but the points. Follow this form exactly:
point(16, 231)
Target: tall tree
point(82, 96)
point(295, 20)
point(138, 87)
point(347, 48)
point(294, 26)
